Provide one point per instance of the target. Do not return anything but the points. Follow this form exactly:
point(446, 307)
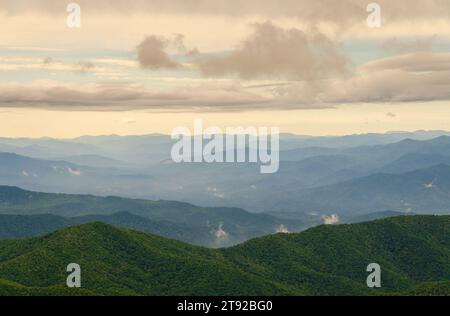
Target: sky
point(307, 67)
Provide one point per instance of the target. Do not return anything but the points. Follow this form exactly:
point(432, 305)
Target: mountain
point(292, 141)
point(210, 226)
point(300, 169)
point(138, 167)
point(63, 176)
point(18, 226)
point(425, 191)
point(45, 148)
point(414, 161)
point(374, 154)
point(413, 252)
point(95, 161)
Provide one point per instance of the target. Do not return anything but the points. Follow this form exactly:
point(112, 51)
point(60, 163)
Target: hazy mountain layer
point(214, 227)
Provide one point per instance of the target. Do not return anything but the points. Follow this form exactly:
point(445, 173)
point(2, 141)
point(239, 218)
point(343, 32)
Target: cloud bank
point(338, 12)
point(412, 77)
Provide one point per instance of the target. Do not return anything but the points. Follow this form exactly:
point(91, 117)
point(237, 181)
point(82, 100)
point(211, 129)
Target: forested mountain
point(413, 252)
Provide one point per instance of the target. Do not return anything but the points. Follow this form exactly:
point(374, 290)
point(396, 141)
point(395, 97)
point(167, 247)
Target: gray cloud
point(274, 52)
point(406, 78)
point(47, 60)
point(152, 53)
point(269, 52)
point(124, 96)
point(414, 62)
point(390, 114)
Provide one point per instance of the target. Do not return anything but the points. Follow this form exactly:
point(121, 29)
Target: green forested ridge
point(413, 251)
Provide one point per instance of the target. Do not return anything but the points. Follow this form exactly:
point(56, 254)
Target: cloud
point(330, 220)
point(274, 52)
point(416, 77)
point(152, 53)
point(282, 229)
point(74, 172)
point(270, 52)
point(339, 12)
point(414, 62)
point(390, 114)
point(47, 60)
point(221, 235)
point(47, 63)
point(430, 184)
point(407, 78)
point(122, 96)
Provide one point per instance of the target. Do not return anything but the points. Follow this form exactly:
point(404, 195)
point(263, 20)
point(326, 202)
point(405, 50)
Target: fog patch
point(74, 172)
point(330, 219)
point(282, 229)
point(221, 235)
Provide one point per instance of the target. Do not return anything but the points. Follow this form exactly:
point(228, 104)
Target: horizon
point(281, 135)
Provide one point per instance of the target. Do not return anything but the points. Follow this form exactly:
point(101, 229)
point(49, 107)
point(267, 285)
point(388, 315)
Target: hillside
point(208, 226)
point(413, 251)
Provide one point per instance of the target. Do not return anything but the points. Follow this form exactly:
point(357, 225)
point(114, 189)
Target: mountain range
point(27, 213)
point(425, 191)
point(139, 224)
point(139, 167)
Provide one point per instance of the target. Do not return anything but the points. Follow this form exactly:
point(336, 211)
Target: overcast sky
point(308, 67)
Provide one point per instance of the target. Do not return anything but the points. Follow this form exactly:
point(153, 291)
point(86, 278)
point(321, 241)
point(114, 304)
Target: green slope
point(413, 251)
point(118, 261)
point(431, 289)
